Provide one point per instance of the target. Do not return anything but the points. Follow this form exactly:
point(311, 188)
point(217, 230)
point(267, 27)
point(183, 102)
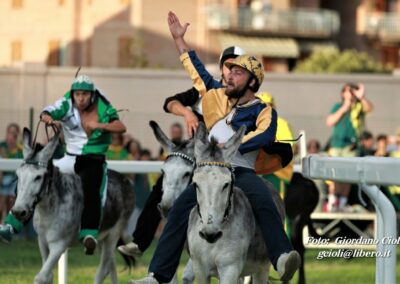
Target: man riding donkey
point(87, 120)
point(225, 110)
point(150, 217)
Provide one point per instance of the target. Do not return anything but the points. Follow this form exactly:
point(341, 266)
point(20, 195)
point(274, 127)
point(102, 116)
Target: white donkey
point(234, 246)
point(56, 199)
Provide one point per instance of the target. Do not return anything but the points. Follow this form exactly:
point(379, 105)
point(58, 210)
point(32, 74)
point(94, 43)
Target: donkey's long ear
point(232, 145)
point(26, 139)
point(165, 142)
point(190, 147)
point(47, 152)
point(200, 141)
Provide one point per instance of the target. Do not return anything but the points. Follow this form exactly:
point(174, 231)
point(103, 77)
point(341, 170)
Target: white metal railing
point(368, 172)
point(120, 166)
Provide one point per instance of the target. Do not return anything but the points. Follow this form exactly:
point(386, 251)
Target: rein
point(53, 127)
point(48, 178)
point(229, 202)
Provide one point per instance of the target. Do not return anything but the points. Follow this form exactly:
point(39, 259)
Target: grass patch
point(20, 261)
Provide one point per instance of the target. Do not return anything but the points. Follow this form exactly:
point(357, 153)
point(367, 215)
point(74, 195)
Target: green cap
point(84, 83)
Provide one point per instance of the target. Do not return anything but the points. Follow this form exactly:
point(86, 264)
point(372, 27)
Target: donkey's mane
point(213, 149)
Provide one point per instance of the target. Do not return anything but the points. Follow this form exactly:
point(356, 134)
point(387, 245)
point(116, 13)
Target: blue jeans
point(170, 246)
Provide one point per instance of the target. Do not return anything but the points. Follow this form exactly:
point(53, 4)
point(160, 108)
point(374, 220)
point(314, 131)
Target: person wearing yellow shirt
point(281, 178)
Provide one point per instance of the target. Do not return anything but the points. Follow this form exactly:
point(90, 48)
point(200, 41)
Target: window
point(54, 58)
point(16, 51)
point(124, 52)
point(390, 55)
point(17, 4)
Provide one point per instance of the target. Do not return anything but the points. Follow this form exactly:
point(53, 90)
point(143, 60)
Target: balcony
point(315, 23)
point(383, 26)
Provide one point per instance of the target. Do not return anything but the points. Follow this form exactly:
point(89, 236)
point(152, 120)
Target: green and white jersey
point(76, 139)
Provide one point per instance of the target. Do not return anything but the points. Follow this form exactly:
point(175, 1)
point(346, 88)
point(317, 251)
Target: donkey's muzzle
point(163, 210)
point(21, 215)
point(211, 237)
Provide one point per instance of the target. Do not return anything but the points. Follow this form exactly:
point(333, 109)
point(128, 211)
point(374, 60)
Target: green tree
point(347, 61)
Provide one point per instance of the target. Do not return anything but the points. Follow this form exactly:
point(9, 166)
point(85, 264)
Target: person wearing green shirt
point(87, 120)
point(347, 119)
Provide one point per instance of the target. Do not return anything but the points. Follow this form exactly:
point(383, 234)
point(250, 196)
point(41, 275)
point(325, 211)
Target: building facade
point(134, 33)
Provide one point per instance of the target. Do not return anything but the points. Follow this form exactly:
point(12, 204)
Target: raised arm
point(178, 32)
point(202, 79)
point(360, 95)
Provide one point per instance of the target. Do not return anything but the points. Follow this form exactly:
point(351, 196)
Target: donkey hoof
point(43, 279)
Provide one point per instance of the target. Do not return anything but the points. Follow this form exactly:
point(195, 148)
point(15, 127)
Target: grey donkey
point(235, 247)
point(177, 173)
point(56, 200)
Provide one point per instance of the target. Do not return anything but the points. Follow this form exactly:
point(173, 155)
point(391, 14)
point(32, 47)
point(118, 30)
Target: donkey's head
point(213, 178)
point(177, 169)
point(33, 175)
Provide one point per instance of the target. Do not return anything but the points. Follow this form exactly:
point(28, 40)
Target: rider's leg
point(11, 226)
point(149, 218)
point(94, 189)
point(279, 247)
point(168, 252)
point(147, 223)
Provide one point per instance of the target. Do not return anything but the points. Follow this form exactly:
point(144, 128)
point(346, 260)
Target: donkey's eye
point(225, 186)
point(186, 175)
point(37, 178)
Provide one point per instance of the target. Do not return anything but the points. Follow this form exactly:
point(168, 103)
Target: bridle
point(183, 156)
point(48, 177)
point(229, 201)
point(47, 181)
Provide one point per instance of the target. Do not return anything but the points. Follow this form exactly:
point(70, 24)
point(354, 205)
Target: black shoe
point(90, 244)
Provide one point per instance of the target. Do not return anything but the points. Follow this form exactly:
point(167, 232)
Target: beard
point(235, 93)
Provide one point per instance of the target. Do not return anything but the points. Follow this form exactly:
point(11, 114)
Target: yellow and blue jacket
point(260, 119)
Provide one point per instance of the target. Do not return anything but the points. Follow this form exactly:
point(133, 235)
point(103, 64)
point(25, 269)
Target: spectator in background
point(396, 152)
point(116, 151)
point(134, 148)
point(347, 118)
point(393, 147)
point(366, 144)
point(145, 155)
point(280, 179)
point(141, 185)
point(176, 136)
point(313, 146)
point(382, 146)
point(9, 149)
point(126, 139)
